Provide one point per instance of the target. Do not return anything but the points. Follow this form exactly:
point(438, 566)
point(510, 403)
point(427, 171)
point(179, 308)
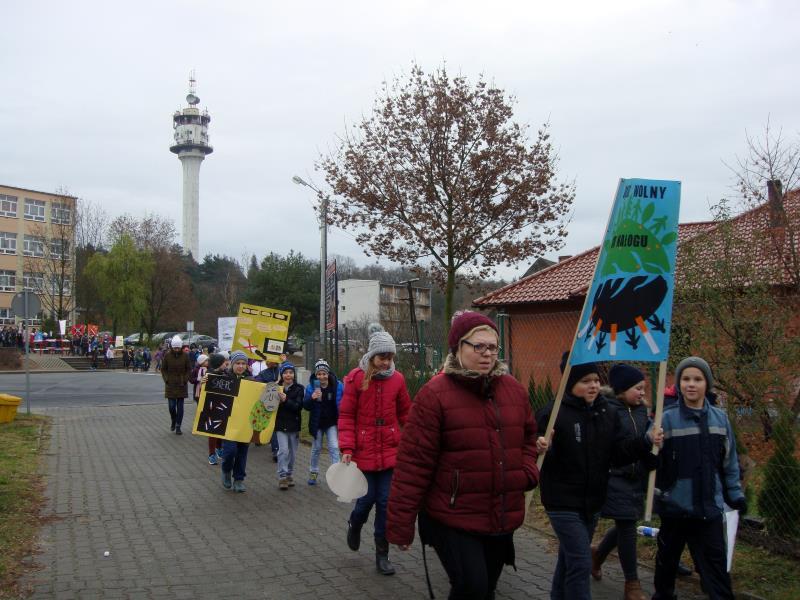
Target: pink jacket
point(370, 420)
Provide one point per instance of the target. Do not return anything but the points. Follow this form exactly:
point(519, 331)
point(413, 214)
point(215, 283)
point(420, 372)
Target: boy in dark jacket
point(587, 440)
point(287, 424)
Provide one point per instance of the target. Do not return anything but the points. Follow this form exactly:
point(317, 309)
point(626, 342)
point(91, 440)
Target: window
point(60, 213)
point(59, 248)
point(34, 209)
point(343, 290)
point(8, 243)
point(6, 316)
point(8, 206)
point(59, 290)
point(8, 281)
point(33, 281)
point(33, 246)
point(343, 307)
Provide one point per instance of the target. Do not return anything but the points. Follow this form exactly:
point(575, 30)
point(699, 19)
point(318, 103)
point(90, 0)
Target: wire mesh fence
point(532, 345)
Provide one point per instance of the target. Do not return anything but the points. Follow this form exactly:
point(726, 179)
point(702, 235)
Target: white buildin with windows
point(37, 250)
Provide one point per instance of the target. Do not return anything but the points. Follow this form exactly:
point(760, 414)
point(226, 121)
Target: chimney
point(777, 216)
point(564, 257)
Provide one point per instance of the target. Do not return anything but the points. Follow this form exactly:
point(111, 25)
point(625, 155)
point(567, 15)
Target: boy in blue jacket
point(698, 472)
point(322, 398)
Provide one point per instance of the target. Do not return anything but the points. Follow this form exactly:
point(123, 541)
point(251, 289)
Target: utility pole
point(414, 332)
point(323, 254)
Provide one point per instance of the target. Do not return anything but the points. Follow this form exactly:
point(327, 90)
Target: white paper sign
point(731, 525)
point(62, 326)
point(226, 327)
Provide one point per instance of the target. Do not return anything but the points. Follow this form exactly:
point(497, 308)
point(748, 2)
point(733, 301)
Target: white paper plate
point(346, 481)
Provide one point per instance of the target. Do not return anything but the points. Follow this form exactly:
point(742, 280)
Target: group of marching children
point(461, 456)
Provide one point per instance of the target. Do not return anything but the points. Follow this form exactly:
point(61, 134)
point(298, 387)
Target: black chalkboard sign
point(223, 384)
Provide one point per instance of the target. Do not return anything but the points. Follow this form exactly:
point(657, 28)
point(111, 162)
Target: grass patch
point(755, 570)
point(21, 495)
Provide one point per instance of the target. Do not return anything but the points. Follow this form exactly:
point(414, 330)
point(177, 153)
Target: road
point(82, 389)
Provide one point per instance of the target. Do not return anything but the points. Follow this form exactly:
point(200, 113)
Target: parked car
point(133, 339)
point(294, 344)
point(158, 338)
point(204, 341)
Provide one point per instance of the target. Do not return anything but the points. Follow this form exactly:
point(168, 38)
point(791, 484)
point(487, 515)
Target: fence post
point(421, 347)
point(505, 351)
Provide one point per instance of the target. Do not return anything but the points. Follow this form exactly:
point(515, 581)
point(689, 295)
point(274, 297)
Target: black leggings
point(623, 537)
point(473, 562)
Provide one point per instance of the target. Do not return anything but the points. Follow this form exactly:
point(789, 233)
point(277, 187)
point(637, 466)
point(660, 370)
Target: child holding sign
point(234, 454)
point(587, 440)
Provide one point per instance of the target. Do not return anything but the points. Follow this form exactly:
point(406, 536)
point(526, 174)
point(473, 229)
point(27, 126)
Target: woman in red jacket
point(467, 456)
point(374, 406)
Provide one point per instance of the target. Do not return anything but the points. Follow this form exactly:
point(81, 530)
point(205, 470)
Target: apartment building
point(37, 250)
point(362, 301)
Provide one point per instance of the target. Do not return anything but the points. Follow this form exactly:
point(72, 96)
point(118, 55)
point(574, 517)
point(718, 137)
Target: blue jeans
point(333, 447)
point(273, 444)
point(378, 483)
point(574, 566)
point(287, 450)
point(176, 411)
point(234, 458)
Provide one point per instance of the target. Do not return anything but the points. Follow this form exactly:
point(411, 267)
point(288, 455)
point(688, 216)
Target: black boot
point(382, 563)
point(354, 536)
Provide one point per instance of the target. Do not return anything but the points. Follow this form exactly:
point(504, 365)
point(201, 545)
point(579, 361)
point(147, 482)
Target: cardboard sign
point(628, 310)
point(226, 328)
point(261, 332)
point(236, 409)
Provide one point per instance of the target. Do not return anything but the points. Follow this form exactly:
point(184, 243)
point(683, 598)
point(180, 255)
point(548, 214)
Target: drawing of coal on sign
point(629, 306)
point(221, 392)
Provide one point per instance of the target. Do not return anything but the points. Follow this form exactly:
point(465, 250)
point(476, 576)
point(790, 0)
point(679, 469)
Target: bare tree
point(150, 232)
point(91, 223)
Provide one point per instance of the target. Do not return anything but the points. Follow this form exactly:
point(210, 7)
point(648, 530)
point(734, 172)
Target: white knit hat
point(202, 358)
point(176, 342)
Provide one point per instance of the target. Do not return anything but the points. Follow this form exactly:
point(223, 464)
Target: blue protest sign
point(628, 310)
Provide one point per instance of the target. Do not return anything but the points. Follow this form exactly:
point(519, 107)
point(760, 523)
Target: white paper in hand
point(731, 525)
point(346, 481)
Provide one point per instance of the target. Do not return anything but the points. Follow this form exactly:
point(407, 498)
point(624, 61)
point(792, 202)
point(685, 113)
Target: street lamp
point(323, 252)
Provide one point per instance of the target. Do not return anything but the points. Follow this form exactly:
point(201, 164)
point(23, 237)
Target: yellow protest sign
point(261, 331)
point(238, 410)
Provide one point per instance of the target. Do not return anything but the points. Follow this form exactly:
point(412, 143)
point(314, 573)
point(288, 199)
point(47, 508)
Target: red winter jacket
point(370, 420)
point(467, 455)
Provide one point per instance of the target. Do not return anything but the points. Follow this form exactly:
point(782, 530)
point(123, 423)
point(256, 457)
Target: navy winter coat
point(325, 412)
point(587, 440)
point(627, 485)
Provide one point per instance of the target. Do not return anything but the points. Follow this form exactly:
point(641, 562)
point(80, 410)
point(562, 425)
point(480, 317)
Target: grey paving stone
point(119, 481)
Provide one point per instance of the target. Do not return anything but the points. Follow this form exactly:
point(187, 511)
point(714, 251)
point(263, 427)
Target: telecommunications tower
point(191, 146)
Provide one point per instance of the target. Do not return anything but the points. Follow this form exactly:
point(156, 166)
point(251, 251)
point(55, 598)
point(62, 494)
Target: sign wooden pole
point(651, 482)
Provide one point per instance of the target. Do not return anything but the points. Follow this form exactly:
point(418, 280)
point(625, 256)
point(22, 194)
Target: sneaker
point(290, 481)
point(172, 427)
point(219, 453)
point(238, 486)
point(212, 459)
point(178, 431)
point(283, 484)
point(312, 479)
point(226, 479)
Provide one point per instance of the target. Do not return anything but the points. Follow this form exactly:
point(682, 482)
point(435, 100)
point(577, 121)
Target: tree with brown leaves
point(441, 178)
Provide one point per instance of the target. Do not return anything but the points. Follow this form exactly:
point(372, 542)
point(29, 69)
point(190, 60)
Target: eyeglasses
point(483, 348)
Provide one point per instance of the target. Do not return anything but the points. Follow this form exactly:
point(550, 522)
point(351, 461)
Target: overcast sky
point(652, 89)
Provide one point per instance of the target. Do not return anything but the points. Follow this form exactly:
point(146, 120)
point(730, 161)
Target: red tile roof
point(571, 278)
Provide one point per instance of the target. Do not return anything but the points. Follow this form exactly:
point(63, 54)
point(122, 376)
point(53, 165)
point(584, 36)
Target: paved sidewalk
point(119, 481)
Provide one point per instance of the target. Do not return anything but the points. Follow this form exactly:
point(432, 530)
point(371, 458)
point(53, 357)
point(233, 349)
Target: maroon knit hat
point(462, 323)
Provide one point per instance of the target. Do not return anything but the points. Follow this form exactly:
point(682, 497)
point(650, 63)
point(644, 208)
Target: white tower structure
point(191, 146)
